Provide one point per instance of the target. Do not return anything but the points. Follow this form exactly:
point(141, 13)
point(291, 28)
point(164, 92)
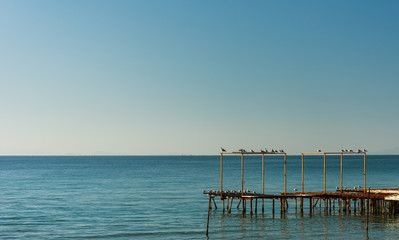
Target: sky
point(188, 77)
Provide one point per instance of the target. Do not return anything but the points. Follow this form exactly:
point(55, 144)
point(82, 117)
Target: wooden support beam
point(209, 211)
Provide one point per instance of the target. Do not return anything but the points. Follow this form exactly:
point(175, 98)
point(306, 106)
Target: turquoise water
point(160, 197)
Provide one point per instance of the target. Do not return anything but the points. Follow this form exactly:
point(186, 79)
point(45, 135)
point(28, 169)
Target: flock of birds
point(252, 151)
point(282, 151)
point(358, 151)
point(247, 191)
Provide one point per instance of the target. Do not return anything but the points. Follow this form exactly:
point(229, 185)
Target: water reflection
point(294, 225)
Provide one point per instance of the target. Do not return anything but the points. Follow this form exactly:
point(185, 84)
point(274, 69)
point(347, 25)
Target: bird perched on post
point(222, 150)
point(364, 150)
point(242, 150)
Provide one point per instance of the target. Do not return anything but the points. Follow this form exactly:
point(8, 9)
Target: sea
point(161, 197)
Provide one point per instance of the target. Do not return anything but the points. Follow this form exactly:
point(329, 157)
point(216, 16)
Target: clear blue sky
point(187, 77)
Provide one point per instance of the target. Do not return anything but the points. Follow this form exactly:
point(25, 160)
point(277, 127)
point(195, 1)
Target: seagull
point(346, 150)
point(262, 151)
point(337, 188)
point(319, 150)
point(281, 151)
point(351, 150)
point(359, 151)
point(242, 150)
point(222, 149)
point(295, 189)
point(266, 150)
point(355, 187)
point(252, 151)
point(342, 150)
point(364, 150)
point(359, 186)
point(272, 150)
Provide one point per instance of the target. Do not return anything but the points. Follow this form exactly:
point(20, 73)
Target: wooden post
point(324, 173)
point(238, 205)
point(209, 211)
point(273, 207)
point(341, 171)
point(216, 207)
point(354, 206)
point(263, 180)
point(334, 205)
point(256, 205)
point(364, 188)
point(310, 205)
point(285, 174)
point(349, 205)
point(221, 174)
point(302, 174)
point(242, 174)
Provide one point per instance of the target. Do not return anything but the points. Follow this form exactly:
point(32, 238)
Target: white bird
point(351, 150)
point(359, 151)
point(336, 188)
point(252, 151)
point(364, 150)
point(262, 151)
point(222, 149)
point(319, 150)
point(242, 150)
point(295, 189)
point(342, 150)
point(266, 150)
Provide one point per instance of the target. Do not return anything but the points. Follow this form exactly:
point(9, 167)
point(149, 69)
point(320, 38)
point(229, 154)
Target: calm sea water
point(160, 197)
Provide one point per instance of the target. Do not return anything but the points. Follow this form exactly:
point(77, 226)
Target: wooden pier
point(361, 201)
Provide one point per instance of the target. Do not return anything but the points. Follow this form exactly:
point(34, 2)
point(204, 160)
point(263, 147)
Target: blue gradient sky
point(186, 77)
